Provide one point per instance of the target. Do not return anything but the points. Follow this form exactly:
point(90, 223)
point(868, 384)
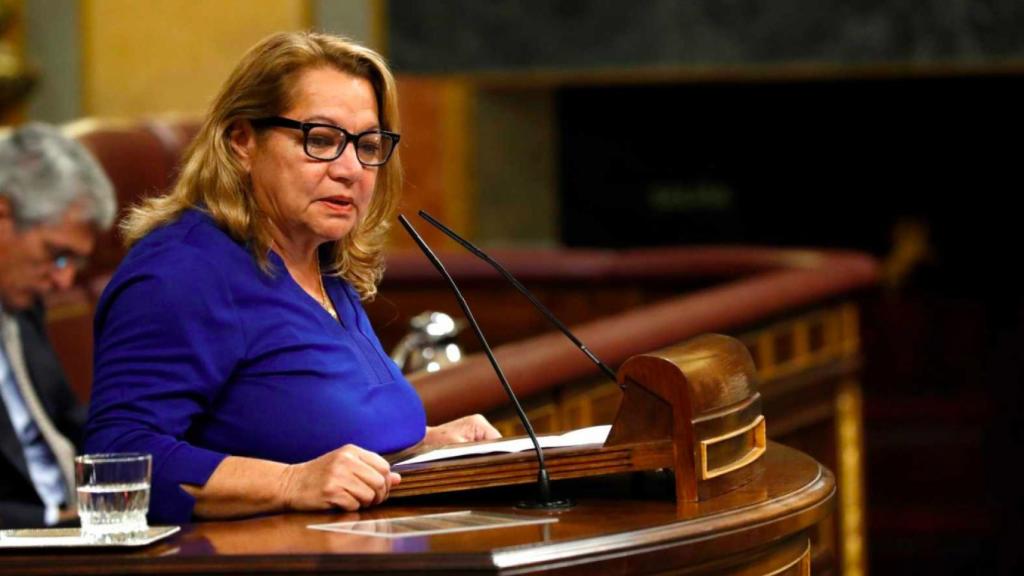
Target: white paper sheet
point(581, 437)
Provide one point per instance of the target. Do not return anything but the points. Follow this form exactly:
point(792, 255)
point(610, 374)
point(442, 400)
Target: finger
point(361, 490)
point(350, 474)
point(345, 501)
point(456, 437)
point(483, 430)
point(393, 480)
point(374, 460)
point(487, 432)
point(373, 480)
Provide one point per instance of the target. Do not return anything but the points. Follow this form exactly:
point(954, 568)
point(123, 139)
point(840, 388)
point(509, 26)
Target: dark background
point(832, 123)
point(468, 36)
point(841, 164)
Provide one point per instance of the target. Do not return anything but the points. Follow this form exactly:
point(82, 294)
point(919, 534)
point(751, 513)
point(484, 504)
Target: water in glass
point(113, 495)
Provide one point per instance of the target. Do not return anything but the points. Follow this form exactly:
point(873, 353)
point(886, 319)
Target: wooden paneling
point(144, 58)
point(807, 366)
point(436, 156)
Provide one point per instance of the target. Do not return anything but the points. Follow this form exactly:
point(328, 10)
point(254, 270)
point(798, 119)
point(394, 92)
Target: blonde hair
point(213, 179)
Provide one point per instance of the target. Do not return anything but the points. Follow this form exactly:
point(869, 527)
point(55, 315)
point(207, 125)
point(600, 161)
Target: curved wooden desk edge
point(734, 530)
point(605, 535)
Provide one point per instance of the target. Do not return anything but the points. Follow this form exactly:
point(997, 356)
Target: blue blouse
point(200, 354)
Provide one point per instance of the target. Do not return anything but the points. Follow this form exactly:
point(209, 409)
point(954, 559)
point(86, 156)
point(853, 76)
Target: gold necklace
point(325, 302)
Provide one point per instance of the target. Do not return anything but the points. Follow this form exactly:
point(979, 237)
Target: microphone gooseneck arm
point(522, 290)
point(542, 472)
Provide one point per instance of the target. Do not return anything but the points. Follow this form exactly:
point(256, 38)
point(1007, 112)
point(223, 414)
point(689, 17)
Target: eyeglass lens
point(324, 143)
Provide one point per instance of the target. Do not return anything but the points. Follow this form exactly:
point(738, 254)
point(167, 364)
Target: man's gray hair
point(44, 173)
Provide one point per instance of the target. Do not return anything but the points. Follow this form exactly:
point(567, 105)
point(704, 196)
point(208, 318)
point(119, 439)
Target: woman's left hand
point(466, 429)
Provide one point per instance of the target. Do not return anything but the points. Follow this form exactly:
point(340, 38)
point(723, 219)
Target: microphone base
point(553, 504)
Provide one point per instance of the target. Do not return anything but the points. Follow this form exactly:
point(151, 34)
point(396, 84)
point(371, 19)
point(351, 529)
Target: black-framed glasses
point(326, 141)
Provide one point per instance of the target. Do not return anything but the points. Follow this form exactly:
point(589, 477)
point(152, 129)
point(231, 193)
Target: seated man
point(53, 199)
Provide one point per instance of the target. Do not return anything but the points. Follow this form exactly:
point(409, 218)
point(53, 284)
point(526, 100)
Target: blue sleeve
point(167, 339)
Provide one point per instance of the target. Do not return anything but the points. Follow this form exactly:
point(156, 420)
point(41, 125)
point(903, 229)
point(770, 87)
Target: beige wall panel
point(144, 57)
point(12, 65)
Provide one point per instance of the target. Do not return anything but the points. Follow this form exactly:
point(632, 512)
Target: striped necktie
point(62, 448)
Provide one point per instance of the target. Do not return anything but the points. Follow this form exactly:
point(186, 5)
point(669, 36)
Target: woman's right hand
point(349, 478)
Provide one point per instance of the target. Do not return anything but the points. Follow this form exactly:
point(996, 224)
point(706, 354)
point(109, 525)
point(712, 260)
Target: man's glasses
point(326, 142)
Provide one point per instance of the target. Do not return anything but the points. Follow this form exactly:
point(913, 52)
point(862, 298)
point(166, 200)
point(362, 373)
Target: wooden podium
point(733, 504)
point(693, 409)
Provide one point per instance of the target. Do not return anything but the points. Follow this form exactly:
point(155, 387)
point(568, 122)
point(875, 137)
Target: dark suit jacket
point(20, 506)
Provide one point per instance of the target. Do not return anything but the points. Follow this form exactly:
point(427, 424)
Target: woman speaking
point(231, 342)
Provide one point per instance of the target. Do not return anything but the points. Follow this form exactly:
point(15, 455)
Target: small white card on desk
point(72, 538)
point(428, 524)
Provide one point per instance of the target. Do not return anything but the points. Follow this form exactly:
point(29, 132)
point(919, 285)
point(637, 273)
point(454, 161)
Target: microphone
point(522, 290)
point(545, 500)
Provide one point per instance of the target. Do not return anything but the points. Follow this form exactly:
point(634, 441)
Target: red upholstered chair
point(140, 158)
